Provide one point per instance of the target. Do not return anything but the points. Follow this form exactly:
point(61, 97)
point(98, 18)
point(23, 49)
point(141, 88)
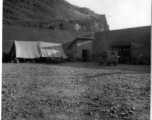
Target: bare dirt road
point(75, 91)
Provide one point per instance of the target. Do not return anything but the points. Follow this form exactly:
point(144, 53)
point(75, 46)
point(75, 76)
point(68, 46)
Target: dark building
point(131, 43)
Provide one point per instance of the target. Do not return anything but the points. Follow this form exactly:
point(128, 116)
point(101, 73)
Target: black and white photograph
point(76, 60)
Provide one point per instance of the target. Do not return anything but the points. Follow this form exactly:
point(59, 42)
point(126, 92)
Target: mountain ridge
point(52, 14)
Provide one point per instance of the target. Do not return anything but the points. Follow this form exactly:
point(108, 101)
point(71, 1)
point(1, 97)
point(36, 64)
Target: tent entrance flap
point(26, 49)
point(12, 52)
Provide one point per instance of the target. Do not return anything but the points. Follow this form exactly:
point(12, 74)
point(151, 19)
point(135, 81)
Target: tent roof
point(52, 50)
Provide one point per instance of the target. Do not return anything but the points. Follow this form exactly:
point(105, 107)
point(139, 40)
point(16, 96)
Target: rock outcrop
point(52, 14)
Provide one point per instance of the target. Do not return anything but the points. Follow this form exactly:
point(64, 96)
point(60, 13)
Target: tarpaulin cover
point(51, 50)
point(27, 49)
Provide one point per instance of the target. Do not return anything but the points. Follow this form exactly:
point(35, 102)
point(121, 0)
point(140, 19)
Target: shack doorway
point(86, 55)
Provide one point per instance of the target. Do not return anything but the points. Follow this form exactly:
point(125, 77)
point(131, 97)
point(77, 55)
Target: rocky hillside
point(52, 14)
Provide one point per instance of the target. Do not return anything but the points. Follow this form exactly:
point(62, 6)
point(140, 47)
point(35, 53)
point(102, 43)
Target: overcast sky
point(120, 13)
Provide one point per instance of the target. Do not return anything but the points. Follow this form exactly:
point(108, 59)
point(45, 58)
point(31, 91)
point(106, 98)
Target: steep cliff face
point(52, 14)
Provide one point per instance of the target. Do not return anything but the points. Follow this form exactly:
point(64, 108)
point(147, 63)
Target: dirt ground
point(75, 91)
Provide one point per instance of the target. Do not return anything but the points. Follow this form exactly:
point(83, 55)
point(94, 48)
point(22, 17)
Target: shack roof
point(80, 38)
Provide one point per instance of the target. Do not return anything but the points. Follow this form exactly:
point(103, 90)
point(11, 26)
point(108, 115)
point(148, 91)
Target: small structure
point(81, 49)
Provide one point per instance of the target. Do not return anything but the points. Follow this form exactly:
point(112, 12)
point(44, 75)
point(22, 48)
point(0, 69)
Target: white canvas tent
point(36, 49)
point(51, 50)
point(27, 49)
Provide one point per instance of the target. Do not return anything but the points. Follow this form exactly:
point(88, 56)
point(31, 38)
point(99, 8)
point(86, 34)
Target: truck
point(108, 58)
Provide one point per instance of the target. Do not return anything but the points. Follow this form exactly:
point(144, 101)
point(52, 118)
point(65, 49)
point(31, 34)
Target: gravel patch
point(75, 91)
